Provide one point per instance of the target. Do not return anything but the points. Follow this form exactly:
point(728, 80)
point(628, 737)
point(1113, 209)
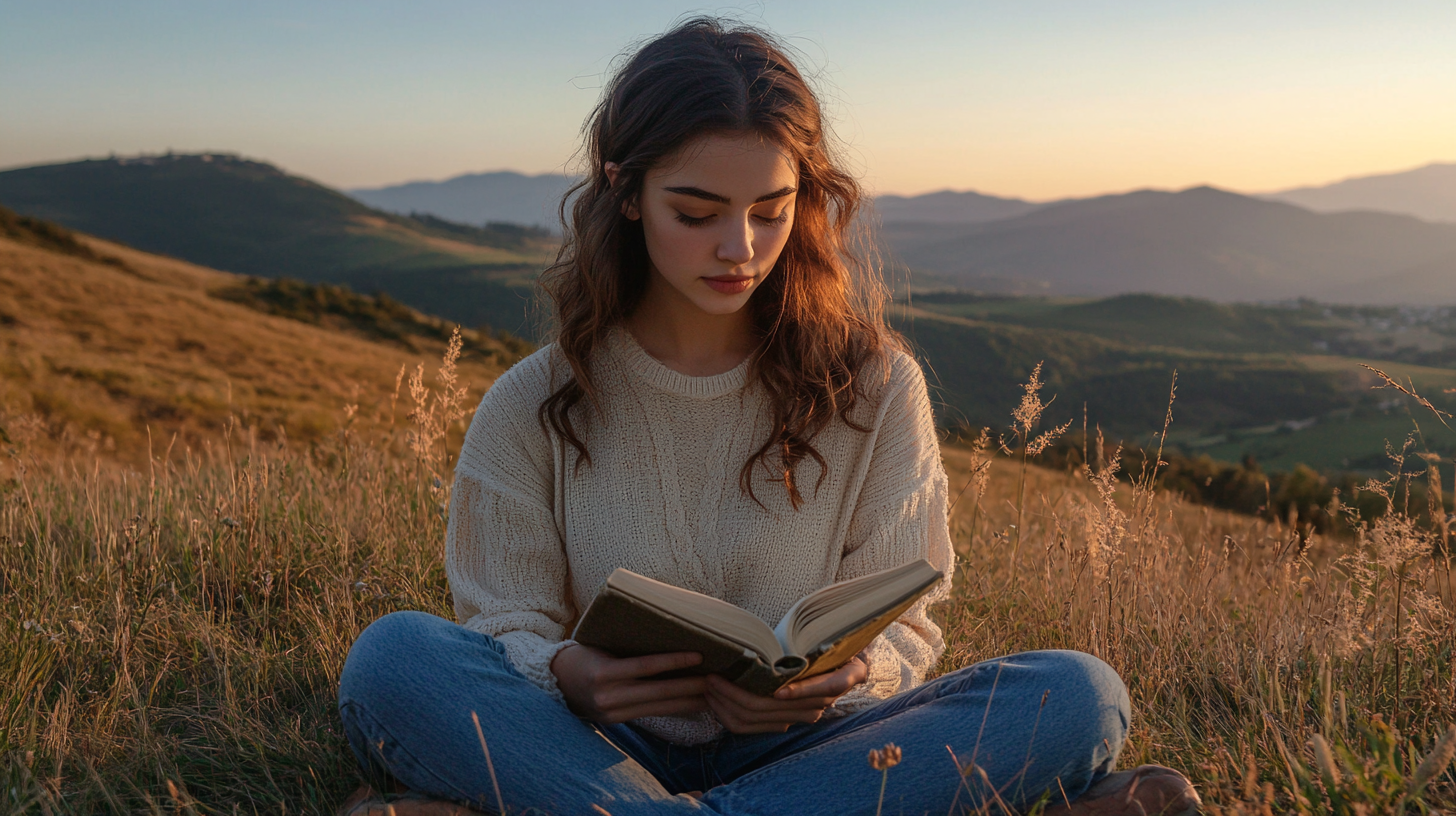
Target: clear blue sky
point(1036, 98)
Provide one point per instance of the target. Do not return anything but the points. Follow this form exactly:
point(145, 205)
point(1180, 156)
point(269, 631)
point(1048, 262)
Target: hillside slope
point(1248, 380)
point(99, 345)
point(243, 216)
point(1201, 242)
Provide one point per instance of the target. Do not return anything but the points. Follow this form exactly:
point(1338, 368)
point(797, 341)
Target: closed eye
point(693, 222)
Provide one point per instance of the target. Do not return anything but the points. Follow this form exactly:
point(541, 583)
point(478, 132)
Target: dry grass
point(1245, 646)
point(173, 633)
point(94, 355)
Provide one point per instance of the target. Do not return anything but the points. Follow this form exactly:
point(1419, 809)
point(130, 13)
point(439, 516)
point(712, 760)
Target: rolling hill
point(1283, 383)
point(1200, 242)
point(100, 343)
point(243, 216)
point(1427, 192)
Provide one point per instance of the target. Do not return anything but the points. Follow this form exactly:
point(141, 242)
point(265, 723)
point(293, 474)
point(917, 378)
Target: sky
point(1037, 99)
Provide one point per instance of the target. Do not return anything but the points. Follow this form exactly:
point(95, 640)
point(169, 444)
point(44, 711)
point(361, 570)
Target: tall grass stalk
point(172, 635)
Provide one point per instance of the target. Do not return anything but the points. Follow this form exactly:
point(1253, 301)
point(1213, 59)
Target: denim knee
point(401, 645)
point(1086, 693)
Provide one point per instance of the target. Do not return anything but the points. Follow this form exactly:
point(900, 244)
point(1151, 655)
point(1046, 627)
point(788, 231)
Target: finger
point(630, 668)
point(796, 711)
point(739, 721)
point(678, 707)
point(756, 702)
point(832, 683)
point(829, 685)
point(633, 692)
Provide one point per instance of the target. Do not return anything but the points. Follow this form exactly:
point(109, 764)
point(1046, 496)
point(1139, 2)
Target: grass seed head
point(883, 759)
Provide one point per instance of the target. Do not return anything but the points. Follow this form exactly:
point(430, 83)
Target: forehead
point(734, 166)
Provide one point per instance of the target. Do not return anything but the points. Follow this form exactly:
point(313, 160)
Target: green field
point(1254, 380)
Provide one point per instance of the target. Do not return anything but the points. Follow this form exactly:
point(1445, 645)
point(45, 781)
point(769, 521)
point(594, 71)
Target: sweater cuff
point(887, 673)
point(885, 676)
point(532, 654)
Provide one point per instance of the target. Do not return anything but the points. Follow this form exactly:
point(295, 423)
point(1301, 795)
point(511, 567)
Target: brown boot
point(1147, 790)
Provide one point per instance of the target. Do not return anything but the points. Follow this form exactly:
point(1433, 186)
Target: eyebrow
point(698, 192)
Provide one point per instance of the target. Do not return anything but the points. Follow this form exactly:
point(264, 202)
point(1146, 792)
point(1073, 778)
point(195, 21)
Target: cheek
point(773, 243)
point(668, 241)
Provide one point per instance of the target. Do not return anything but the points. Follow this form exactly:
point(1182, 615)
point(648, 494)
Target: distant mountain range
point(1426, 192)
point(250, 217)
point(477, 198)
point(1201, 242)
point(950, 207)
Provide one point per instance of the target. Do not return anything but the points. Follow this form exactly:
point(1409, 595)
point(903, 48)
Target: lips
point(729, 284)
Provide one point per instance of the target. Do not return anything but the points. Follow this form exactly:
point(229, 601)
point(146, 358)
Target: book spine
point(763, 679)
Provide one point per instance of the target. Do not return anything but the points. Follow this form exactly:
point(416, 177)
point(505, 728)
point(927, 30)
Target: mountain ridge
point(1199, 242)
point(1427, 192)
point(476, 198)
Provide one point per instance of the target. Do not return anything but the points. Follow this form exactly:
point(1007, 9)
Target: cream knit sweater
point(530, 540)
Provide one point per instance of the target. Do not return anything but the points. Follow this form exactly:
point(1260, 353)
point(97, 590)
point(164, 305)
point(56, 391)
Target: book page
point(829, 613)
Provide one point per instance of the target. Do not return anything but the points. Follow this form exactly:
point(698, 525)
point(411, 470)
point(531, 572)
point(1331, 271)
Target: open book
point(633, 615)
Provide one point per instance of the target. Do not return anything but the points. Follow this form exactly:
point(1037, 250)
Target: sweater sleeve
point(504, 557)
point(900, 515)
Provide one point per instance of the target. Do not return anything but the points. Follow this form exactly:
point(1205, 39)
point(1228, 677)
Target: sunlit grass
point(172, 635)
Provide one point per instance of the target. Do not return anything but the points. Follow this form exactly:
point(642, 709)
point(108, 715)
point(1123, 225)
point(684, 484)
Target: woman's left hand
point(743, 712)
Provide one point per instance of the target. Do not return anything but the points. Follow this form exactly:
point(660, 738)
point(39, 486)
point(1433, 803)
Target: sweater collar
point(626, 348)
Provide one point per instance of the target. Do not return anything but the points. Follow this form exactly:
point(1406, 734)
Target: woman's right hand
point(606, 689)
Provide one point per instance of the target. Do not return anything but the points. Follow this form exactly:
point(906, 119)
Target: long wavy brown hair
point(818, 315)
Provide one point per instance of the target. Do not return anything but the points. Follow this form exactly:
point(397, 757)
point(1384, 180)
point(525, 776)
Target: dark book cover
point(627, 627)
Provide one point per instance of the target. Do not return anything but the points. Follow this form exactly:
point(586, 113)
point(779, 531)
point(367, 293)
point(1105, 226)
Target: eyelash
point(782, 217)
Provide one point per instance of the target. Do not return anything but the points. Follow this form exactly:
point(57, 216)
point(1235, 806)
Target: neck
point(687, 339)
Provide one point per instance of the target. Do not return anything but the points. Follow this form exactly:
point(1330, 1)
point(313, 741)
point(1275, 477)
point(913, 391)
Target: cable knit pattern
point(531, 538)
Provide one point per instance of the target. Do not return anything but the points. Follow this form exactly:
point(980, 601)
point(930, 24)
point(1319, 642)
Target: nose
point(735, 245)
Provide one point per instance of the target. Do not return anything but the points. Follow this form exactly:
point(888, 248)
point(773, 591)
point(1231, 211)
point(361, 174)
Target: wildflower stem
point(884, 777)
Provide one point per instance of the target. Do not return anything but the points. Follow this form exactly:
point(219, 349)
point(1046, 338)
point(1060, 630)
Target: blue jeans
point(1031, 723)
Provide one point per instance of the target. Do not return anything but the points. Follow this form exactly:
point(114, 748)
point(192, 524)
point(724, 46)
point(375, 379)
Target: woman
point(723, 409)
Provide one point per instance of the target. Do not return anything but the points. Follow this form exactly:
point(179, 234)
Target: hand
point(804, 700)
point(606, 689)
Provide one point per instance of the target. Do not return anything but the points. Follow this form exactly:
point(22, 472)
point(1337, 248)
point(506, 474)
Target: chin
point(723, 304)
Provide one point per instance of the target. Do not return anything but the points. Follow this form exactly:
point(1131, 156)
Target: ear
point(614, 172)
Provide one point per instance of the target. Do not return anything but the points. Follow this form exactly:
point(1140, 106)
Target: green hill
point(105, 349)
point(1420, 336)
point(244, 216)
point(1249, 378)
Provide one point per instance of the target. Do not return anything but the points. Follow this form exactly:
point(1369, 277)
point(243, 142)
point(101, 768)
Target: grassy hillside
point(1420, 335)
point(177, 639)
point(100, 343)
point(176, 627)
point(249, 217)
point(1248, 382)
